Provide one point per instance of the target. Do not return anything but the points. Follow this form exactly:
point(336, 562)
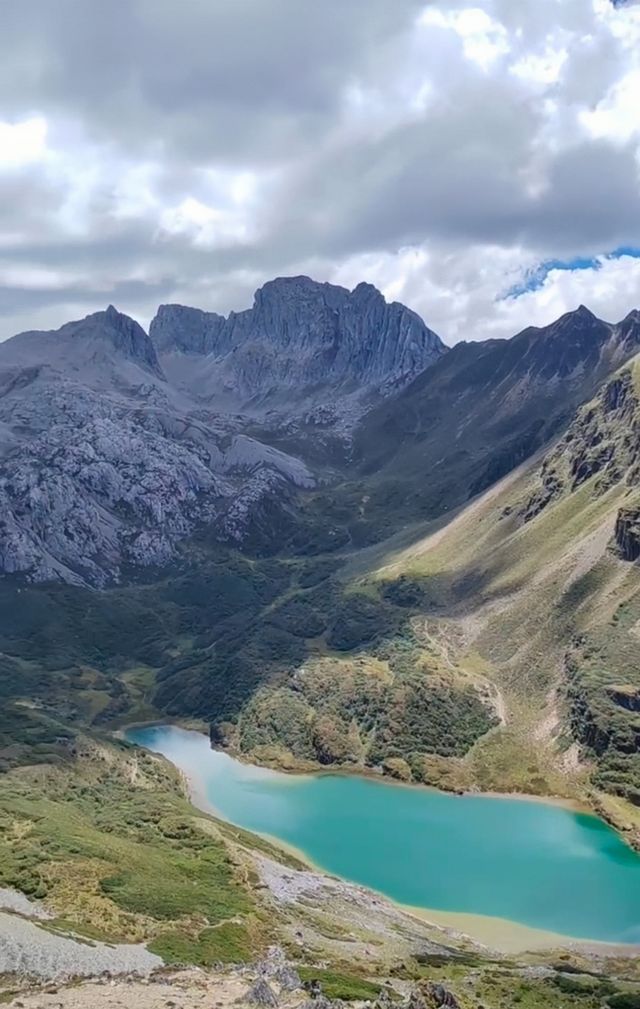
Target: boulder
point(261, 994)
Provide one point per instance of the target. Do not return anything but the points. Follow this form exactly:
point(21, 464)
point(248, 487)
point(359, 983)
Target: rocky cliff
point(627, 533)
point(99, 348)
point(301, 343)
point(603, 443)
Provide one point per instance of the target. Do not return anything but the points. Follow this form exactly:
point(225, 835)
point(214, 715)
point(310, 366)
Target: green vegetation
point(604, 691)
point(224, 638)
point(395, 701)
point(28, 737)
point(109, 841)
point(227, 943)
point(348, 987)
point(624, 1000)
point(359, 620)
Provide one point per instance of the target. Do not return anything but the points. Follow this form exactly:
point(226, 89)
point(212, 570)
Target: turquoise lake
point(534, 863)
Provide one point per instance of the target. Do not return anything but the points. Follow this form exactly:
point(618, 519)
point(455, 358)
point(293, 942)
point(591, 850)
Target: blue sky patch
point(534, 278)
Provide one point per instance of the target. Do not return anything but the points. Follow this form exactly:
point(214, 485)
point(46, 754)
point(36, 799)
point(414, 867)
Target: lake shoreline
point(499, 934)
point(369, 774)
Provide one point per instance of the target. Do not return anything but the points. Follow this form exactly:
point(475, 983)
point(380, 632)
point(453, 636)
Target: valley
point(432, 581)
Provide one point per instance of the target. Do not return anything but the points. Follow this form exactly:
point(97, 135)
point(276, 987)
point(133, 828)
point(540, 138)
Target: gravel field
point(30, 951)
point(13, 900)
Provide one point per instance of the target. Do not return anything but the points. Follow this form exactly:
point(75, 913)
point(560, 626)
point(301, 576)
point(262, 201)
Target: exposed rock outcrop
point(103, 466)
point(261, 994)
point(602, 442)
point(440, 997)
point(107, 461)
point(627, 533)
point(627, 696)
point(275, 967)
point(99, 348)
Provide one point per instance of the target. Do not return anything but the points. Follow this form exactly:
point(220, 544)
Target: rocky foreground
point(272, 984)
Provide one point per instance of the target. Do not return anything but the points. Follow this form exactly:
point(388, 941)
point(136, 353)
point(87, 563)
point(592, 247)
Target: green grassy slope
point(531, 580)
point(106, 838)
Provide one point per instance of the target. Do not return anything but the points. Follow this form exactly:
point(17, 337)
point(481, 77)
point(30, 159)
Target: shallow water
point(534, 863)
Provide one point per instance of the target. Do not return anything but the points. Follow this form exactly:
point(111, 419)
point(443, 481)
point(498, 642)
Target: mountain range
point(218, 505)
point(314, 529)
point(116, 446)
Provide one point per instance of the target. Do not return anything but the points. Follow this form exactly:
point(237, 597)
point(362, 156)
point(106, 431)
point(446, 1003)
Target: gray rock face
point(108, 341)
point(261, 994)
point(115, 445)
point(301, 341)
point(627, 533)
point(79, 502)
point(275, 967)
point(440, 997)
point(104, 467)
point(187, 330)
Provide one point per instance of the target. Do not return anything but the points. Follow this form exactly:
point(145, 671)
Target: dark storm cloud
point(237, 79)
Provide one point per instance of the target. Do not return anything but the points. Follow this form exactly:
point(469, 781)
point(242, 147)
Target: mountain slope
point(537, 579)
point(103, 349)
point(115, 447)
point(98, 482)
point(257, 645)
point(105, 467)
point(109, 458)
point(483, 409)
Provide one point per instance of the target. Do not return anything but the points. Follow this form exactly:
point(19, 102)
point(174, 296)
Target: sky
point(478, 161)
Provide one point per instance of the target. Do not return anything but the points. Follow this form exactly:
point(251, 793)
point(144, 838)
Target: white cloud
point(462, 294)
point(617, 116)
point(22, 143)
point(483, 39)
point(207, 226)
point(541, 68)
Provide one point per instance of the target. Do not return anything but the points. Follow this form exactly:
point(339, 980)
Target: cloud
point(534, 279)
point(156, 151)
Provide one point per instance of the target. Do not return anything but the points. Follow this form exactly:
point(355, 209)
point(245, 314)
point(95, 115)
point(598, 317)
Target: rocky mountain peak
point(84, 345)
point(365, 290)
point(582, 312)
point(127, 336)
point(570, 345)
point(299, 286)
point(580, 319)
point(176, 328)
point(300, 337)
